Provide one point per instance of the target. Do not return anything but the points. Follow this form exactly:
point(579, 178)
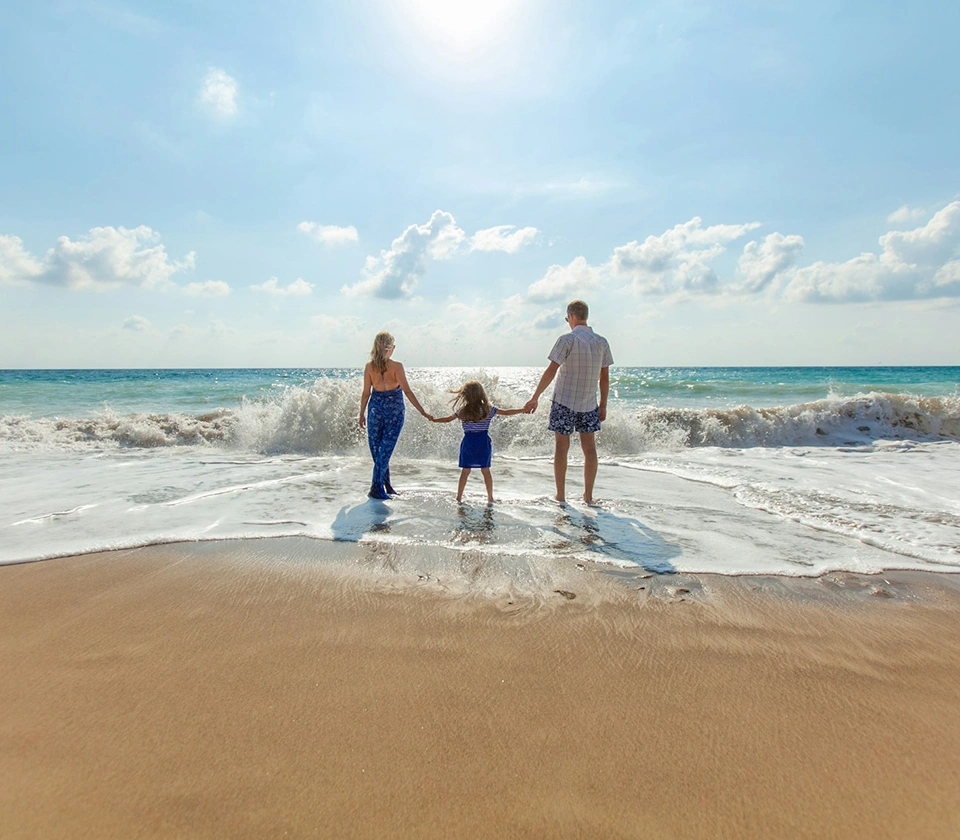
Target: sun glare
point(465, 27)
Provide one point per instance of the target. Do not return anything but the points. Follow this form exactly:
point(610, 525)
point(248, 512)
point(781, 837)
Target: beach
point(250, 689)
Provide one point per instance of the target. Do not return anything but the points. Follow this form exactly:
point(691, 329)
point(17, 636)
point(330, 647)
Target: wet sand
point(215, 691)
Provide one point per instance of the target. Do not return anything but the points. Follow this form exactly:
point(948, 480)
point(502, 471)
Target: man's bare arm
point(604, 390)
point(545, 380)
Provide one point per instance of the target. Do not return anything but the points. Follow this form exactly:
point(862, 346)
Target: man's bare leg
point(561, 448)
point(588, 443)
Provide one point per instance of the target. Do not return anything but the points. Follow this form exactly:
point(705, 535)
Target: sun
point(465, 27)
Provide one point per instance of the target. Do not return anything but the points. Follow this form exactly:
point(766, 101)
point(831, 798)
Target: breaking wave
point(322, 419)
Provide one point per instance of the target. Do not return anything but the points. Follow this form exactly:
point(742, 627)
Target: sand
point(180, 691)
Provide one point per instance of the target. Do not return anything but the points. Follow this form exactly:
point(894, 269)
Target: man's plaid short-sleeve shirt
point(581, 354)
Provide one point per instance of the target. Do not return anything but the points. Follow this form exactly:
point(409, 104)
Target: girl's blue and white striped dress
point(476, 450)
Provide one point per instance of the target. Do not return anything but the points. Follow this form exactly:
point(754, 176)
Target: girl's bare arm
point(507, 412)
point(444, 419)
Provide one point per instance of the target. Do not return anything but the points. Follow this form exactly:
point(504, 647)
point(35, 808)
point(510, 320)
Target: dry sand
point(178, 692)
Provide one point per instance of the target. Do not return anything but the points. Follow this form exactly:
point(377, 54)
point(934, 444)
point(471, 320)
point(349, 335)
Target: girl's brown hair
point(471, 403)
point(381, 349)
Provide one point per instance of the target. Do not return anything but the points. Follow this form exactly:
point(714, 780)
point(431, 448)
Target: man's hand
point(530, 407)
point(603, 413)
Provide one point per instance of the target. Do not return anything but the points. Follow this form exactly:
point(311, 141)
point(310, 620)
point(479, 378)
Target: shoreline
point(251, 688)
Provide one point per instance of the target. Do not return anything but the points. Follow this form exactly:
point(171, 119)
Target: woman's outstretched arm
point(405, 386)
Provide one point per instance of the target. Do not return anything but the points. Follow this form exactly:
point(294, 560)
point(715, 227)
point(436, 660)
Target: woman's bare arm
point(365, 397)
point(405, 386)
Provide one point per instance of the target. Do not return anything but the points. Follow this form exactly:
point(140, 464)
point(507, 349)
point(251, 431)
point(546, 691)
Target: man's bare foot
point(560, 499)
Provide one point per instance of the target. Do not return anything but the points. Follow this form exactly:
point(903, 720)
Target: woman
point(384, 384)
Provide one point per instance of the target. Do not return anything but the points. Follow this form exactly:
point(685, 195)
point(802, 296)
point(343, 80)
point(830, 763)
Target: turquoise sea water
point(75, 393)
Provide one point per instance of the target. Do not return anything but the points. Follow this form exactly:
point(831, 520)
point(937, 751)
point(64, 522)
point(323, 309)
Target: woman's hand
point(362, 421)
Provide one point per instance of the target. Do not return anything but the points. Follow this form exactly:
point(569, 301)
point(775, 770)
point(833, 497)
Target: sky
point(196, 183)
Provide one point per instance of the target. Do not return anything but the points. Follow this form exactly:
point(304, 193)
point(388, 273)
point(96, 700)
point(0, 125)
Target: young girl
point(472, 408)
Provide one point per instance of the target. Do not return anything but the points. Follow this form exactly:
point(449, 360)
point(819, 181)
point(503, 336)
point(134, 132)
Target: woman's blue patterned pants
point(384, 422)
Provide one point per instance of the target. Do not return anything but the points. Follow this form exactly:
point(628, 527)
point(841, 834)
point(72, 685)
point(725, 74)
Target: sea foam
point(323, 419)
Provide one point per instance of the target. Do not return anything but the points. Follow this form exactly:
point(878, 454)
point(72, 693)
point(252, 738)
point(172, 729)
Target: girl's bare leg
point(488, 481)
point(464, 473)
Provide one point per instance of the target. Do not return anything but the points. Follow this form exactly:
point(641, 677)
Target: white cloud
point(549, 320)
point(918, 263)
point(218, 92)
point(935, 242)
point(396, 272)
point(676, 260)
point(16, 265)
point(905, 215)
point(105, 258)
point(947, 274)
point(762, 261)
point(337, 325)
point(563, 282)
point(500, 238)
point(329, 234)
point(584, 186)
point(209, 289)
point(297, 288)
point(137, 323)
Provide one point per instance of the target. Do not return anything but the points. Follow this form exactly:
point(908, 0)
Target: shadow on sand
point(619, 538)
point(367, 517)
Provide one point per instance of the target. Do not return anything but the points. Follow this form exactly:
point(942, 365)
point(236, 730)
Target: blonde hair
point(471, 403)
point(381, 349)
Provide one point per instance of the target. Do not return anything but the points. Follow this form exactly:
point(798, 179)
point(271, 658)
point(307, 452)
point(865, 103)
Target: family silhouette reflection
point(474, 526)
point(621, 539)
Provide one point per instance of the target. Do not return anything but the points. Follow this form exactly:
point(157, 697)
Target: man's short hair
point(578, 309)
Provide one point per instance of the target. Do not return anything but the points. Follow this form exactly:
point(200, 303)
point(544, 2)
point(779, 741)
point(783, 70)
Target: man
point(583, 360)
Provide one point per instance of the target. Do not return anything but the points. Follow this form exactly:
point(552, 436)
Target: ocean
point(737, 471)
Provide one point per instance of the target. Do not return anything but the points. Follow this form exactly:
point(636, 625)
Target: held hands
point(531, 406)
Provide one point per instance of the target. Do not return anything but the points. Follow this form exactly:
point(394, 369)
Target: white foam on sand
point(770, 510)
